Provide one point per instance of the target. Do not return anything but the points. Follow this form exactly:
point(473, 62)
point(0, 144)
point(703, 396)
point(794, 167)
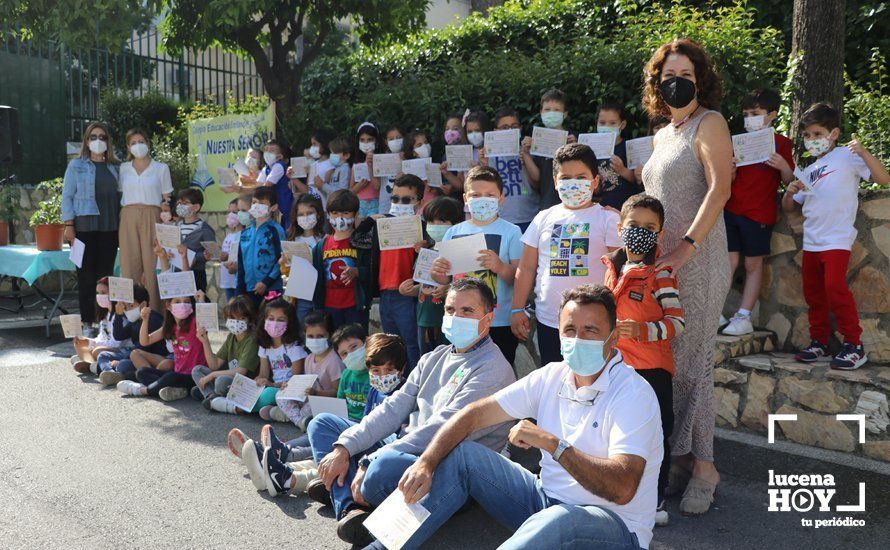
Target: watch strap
point(560, 448)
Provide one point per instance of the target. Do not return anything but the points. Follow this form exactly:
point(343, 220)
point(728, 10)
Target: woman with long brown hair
point(91, 211)
point(690, 172)
point(145, 184)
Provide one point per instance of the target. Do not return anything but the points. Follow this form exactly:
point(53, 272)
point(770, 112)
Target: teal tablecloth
point(26, 262)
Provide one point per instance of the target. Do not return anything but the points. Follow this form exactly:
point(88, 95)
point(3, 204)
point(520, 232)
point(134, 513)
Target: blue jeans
point(509, 493)
point(104, 359)
point(230, 293)
point(126, 369)
point(300, 449)
point(548, 344)
point(324, 430)
point(303, 309)
point(220, 386)
point(398, 315)
point(348, 315)
point(429, 339)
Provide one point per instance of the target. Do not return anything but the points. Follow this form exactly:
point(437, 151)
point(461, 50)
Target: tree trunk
point(817, 32)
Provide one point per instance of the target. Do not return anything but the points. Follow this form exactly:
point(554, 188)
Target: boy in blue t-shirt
point(260, 247)
point(484, 194)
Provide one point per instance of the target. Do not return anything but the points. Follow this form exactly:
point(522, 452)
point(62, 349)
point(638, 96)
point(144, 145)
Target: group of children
point(530, 247)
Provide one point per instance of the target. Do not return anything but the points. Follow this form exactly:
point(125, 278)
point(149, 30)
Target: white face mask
point(395, 145)
point(367, 146)
point(270, 158)
point(476, 139)
point(401, 209)
point(314, 152)
point(307, 222)
point(132, 315)
point(251, 162)
point(97, 146)
point(754, 123)
point(423, 151)
point(139, 150)
point(259, 210)
point(317, 345)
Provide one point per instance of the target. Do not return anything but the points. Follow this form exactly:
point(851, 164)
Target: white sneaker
point(223, 405)
point(661, 515)
point(75, 359)
point(301, 479)
point(252, 458)
point(172, 394)
point(128, 387)
point(723, 321)
point(739, 325)
point(276, 414)
point(302, 465)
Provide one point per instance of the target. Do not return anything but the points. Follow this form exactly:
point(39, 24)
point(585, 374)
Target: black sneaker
point(277, 474)
point(351, 527)
point(849, 358)
point(206, 401)
point(318, 492)
point(278, 447)
point(811, 353)
point(196, 393)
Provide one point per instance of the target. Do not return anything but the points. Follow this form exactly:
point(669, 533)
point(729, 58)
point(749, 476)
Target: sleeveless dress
point(675, 176)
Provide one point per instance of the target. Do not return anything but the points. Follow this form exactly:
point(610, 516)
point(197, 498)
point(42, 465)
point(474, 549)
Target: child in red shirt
point(750, 213)
point(648, 311)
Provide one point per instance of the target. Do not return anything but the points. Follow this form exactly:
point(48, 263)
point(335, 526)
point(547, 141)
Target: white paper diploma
point(546, 141)
point(603, 144)
point(399, 232)
point(463, 253)
point(175, 260)
point(71, 325)
point(120, 290)
point(336, 407)
point(395, 521)
point(212, 248)
point(244, 392)
point(225, 178)
point(207, 316)
point(241, 168)
point(638, 151)
point(302, 279)
point(360, 172)
point(293, 248)
point(168, 236)
point(459, 157)
point(423, 265)
point(387, 165)
point(434, 175)
point(416, 167)
point(76, 253)
point(754, 147)
point(299, 167)
point(502, 143)
point(296, 387)
point(176, 285)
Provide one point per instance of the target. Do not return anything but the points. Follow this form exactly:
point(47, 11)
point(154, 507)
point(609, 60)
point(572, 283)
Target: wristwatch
point(364, 462)
point(691, 241)
point(560, 448)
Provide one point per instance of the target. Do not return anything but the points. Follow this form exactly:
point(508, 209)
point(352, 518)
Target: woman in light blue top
point(91, 211)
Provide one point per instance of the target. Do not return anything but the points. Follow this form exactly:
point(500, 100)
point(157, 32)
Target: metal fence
point(57, 89)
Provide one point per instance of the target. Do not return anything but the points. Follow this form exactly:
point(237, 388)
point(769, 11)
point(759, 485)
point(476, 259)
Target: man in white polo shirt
point(599, 432)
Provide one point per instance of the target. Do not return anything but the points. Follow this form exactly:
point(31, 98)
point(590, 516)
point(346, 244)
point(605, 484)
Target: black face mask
point(677, 91)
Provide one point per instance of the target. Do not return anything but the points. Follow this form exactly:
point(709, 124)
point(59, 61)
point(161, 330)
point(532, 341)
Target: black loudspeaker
point(10, 142)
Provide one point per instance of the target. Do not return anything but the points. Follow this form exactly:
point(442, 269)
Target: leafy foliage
point(49, 210)
point(153, 112)
point(10, 203)
point(867, 109)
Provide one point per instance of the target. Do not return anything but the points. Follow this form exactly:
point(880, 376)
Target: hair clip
point(463, 121)
point(271, 295)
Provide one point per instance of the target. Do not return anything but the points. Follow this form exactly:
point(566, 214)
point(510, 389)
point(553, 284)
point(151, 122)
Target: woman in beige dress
point(690, 172)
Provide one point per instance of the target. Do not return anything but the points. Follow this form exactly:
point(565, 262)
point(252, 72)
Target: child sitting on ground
point(127, 324)
point(828, 192)
point(648, 311)
point(180, 328)
point(238, 354)
point(87, 350)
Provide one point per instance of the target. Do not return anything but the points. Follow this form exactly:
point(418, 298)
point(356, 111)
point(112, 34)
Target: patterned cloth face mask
point(573, 193)
point(385, 383)
point(236, 326)
point(483, 208)
point(639, 240)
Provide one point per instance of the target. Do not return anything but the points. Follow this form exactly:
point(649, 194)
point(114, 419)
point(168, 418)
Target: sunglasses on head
point(401, 200)
point(94, 137)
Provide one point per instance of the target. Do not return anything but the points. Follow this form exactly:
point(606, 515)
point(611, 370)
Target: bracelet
point(691, 241)
point(517, 310)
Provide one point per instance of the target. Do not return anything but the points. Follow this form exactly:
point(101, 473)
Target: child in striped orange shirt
point(648, 311)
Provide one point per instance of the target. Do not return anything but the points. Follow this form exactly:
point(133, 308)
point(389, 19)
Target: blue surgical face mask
point(483, 209)
point(606, 129)
point(437, 232)
point(584, 357)
point(336, 160)
point(244, 218)
point(552, 119)
point(460, 331)
point(355, 360)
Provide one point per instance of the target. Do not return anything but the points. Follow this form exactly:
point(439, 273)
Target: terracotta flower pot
point(4, 233)
point(50, 236)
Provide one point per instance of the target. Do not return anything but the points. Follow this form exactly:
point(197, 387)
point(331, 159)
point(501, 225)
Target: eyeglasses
point(94, 137)
point(395, 199)
point(564, 395)
point(510, 127)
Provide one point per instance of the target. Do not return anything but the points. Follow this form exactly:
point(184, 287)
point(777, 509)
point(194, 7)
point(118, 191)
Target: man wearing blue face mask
point(445, 381)
point(599, 432)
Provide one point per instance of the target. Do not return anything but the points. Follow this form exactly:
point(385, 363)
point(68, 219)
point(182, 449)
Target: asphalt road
point(83, 467)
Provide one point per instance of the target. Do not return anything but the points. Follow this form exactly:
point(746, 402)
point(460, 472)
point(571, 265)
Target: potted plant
point(49, 231)
point(10, 210)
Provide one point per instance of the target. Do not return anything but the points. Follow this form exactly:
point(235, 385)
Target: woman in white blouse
point(144, 183)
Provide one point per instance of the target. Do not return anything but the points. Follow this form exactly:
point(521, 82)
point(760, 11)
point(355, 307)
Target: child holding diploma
point(394, 144)
point(337, 178)
point(317, 162)
point(87, 350)
point(308, 228)
point(274, 174)
point(453, 182)
point(238, 354)
point(751, 211)
point(554, 112)
point(484, 194)
point(421, 148)
point(194, 230)
point(475, 126)
point(617, 182)
point(180, 330)
point(115, 366)
point(259, 248)
point(367, 190)
point(228, 264)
